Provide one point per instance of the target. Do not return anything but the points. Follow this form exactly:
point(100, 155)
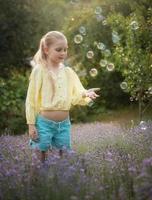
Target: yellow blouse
point(47, 91)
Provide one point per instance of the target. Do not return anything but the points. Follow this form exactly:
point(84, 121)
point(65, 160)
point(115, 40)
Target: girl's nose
point(63, 53)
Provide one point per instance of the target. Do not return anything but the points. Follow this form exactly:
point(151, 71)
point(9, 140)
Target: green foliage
point(22, 25)
point(12, 103)
point(133, 54)
point(97, 31)
point(118, 33)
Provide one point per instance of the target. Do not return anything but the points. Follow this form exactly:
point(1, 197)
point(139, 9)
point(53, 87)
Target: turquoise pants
point(52, 134)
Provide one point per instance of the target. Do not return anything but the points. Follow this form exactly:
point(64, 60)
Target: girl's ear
point(46, 50)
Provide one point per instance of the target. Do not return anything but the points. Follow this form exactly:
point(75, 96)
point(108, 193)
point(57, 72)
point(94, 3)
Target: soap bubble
point(104, 22)
point(134, 25)
point(90, 54)
point(98, 10)
point(103, 63)
point(82, 30)
point(143, 125)
point(107, 53)
point(150, 90)
point(123, 85)
point(93, 72)
point(131, 98)
point(115, 37)
point(78, 39)
point(101, 46)
point(110, 67)
point(100, 18)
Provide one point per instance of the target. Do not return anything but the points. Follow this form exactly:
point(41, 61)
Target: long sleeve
point(78, 90)
point(33, 95)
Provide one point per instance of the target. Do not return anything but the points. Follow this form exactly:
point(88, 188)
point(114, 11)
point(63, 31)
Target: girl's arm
point(81, 96)
point(31, 101)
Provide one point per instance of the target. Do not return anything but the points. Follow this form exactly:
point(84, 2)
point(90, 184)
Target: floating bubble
point(101, 46)
point(150, 90)
point(123, 85)
point(100, 18)
point(82, 30)
point(78, 39)
point(93, 72)
point(115, 39)
point(104, 22)
point(98, 10)
point(107, 53)
point(103, 63)
point(131, 98)
point(134, 25)
point(110, 67)
point(143, 125)
point(90, 54)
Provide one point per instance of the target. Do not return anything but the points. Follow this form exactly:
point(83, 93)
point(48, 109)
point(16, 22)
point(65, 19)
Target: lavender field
point(109, 161)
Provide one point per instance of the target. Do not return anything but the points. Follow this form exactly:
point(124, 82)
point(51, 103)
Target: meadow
point(110, 48)
point(109, 161)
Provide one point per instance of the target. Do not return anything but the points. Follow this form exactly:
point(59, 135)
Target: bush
point(12, 103)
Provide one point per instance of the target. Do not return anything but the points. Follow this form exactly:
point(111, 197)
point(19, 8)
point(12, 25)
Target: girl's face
point(57, 52)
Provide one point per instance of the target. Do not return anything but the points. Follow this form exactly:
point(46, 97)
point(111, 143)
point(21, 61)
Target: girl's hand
point(91, 93)
point(33, 132)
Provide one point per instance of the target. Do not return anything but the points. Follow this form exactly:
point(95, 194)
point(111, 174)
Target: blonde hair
point(48, 39)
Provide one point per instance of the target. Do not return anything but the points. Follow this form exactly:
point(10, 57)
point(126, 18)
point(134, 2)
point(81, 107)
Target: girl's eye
point(60, 49)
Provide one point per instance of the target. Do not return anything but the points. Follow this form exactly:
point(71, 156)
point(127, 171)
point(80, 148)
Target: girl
point(53, 88)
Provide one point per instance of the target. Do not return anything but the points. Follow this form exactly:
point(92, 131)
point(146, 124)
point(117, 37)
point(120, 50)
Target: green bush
point(12, 103)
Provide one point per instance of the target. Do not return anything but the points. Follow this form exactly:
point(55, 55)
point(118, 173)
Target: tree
point(114, 37)
point(132, 53)
point(22, 25)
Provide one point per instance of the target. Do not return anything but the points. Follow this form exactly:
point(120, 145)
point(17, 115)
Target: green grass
point(122, 115)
